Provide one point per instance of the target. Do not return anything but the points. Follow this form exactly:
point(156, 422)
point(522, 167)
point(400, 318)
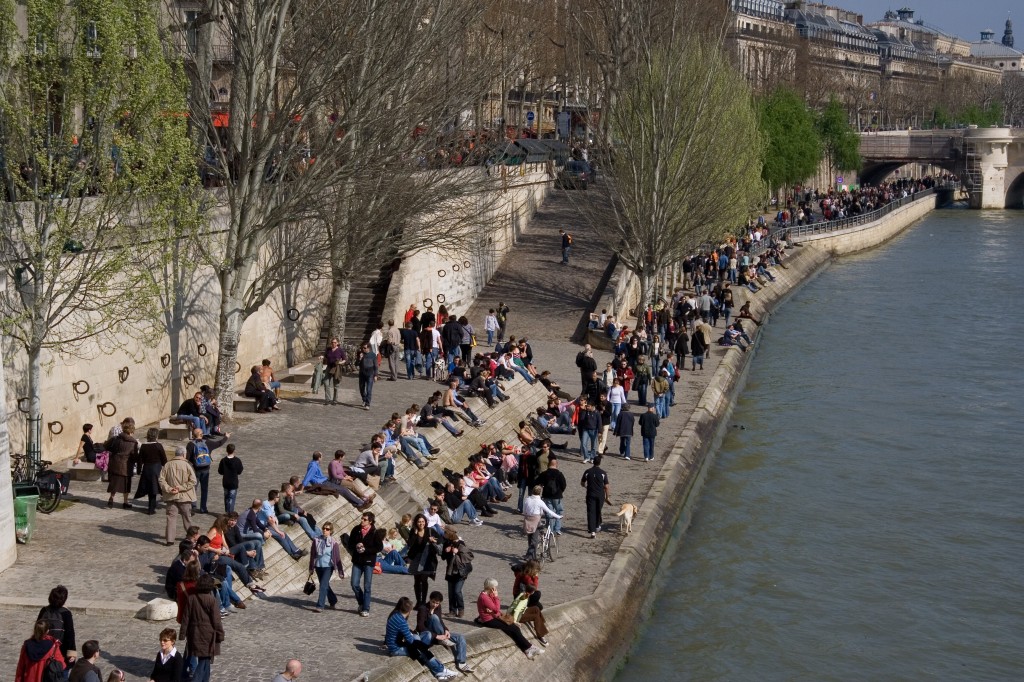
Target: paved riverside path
point(113, 559)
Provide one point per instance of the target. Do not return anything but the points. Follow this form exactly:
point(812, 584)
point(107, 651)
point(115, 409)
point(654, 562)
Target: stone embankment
point(594, 633)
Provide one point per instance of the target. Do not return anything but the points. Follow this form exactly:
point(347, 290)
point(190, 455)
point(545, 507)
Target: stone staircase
point(412, 489)
point(366, 302)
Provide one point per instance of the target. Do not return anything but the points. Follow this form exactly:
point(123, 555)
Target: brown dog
point(626, 515)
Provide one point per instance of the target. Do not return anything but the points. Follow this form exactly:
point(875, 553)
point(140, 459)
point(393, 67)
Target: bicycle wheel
point(551, 548)
point(49, 498)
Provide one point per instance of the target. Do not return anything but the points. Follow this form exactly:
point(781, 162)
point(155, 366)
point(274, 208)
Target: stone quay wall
point(594, 632)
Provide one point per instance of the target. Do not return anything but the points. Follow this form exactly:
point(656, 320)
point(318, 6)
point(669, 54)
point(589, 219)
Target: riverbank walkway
point(113, 560)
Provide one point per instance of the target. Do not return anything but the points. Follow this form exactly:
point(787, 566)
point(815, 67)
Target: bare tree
point(686, 166)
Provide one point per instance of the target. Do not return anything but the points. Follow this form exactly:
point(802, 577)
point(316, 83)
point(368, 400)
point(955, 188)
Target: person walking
point(553, 485)
point(502, 315)
point(624, 430)
point(169, 665)
point(368, 366)
point(85, 668)
point(230, 468)
point(363, 545)
point(201, 627)
point(334, 358)
point(598, 488)
point(589, 423)
point(324, 560)
point(459, 564)
point(649, 422)
point(124, 450)
point(491, 327)
point(391, 349)
point(178, 486)
point(423, 551)
point(152, 457)
point(199, 457)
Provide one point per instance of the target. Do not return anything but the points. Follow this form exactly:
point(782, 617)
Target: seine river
point(867, 523)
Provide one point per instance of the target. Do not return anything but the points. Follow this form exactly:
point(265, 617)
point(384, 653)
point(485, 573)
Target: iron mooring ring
point(165, 359)
point(56, 428)
point(122, 374)
point(102, 407)
point(441, 298)
point(189, 379)
point(455, 267)
point(293, 314)
point(23, 409)
point(76, 387)
point(441, 273)
point(201, 349)
point(465, 264)
point(428, 304)
point(238, 367)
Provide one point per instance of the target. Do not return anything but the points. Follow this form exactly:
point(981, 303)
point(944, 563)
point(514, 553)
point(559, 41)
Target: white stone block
point(158, 609)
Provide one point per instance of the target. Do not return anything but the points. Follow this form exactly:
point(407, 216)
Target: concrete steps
point(412, 489)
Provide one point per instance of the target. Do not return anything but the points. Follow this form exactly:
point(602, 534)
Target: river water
point(867, 520)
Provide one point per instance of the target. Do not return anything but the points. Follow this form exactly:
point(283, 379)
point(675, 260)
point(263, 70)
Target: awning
point(221, 119)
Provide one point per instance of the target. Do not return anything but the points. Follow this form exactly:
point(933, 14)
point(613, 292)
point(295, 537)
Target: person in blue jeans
point(324, 560)
point(400, 641)
point(191, 412)
point(363, 545)
point(623, 428)
point(649, 423)
point(553, 483)
point(432, 630)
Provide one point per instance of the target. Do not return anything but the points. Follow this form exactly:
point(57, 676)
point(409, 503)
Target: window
point(92, 36)
point(191, 30)
point(40, 44)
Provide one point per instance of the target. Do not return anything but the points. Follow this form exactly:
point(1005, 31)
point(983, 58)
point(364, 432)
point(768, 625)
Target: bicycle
point(52, 485)
point(548, 543)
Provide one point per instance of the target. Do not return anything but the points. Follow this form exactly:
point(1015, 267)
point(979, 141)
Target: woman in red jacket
point(36, 653)
point(488, 606)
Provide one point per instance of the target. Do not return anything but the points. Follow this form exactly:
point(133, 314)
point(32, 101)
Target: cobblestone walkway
point(116, 559)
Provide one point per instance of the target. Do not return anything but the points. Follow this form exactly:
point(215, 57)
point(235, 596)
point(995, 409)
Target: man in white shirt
point(433, 518)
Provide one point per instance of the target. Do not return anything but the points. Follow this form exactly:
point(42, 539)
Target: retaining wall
point(594, 633)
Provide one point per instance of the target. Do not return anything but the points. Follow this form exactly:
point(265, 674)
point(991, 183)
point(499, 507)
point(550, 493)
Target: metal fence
point(827, 226)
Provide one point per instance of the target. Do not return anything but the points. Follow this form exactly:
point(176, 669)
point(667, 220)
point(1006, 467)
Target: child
point(230, 468)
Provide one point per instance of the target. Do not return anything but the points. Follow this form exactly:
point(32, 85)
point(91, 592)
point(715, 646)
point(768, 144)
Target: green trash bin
point(26, 497)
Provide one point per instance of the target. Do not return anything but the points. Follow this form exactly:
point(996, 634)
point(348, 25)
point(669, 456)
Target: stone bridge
point(990, 161)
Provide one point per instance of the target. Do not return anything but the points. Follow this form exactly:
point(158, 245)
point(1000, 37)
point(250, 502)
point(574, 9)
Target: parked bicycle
point(53, 485)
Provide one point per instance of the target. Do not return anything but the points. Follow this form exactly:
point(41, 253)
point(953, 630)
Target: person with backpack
point(201, 460)
point(40, 659)
point(61, 621)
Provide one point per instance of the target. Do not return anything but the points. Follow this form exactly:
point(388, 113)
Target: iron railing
point(827, 226)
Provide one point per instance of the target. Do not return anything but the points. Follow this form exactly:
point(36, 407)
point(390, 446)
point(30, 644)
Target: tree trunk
point(647, 278)
point(8, 550)
point(33, 444)
point(341, 286)
point(231, 320)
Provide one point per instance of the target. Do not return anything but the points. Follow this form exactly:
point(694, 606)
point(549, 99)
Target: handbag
point(472, 340)
point(310, 586)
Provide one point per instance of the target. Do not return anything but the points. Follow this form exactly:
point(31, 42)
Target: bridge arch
point(1015, 194)
point(874, 172)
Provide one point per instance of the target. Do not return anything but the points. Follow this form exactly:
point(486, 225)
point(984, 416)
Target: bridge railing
point(826, 226)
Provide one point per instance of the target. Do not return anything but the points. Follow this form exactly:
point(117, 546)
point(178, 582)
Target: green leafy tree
point(94, 153)
point(686, 166)
point(838, 138)
point(793, 147)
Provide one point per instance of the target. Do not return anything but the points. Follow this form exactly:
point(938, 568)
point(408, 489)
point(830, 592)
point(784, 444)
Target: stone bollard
point(158, 609)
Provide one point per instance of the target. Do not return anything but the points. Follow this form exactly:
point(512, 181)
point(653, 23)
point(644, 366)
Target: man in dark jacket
point(623, 428)
point(585, 361)
point(367, 374)
point(191, 412)
point(596, 483)
point(649, 423)
point(451, 338)
point(553, 482)
point(85, 669)
point(363, 545)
